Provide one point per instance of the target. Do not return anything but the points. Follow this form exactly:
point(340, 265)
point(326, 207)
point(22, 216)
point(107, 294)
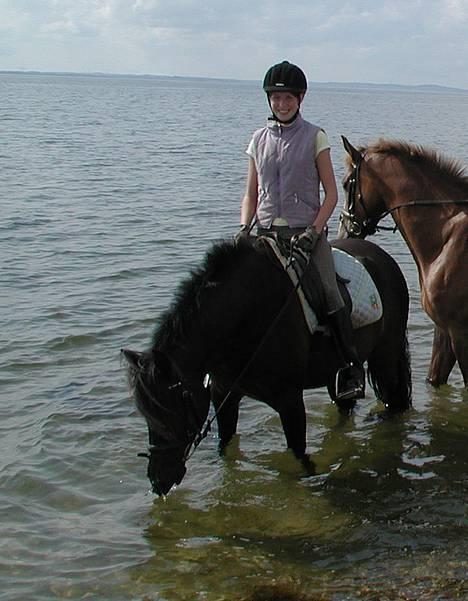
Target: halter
point(369, 225)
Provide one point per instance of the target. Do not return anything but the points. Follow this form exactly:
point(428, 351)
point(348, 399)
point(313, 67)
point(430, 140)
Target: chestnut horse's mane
point(414, 155)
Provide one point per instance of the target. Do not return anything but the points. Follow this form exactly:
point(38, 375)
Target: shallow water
point(113, 188)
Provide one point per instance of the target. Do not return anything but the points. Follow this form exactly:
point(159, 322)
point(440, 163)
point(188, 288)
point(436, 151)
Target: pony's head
point(175, 412)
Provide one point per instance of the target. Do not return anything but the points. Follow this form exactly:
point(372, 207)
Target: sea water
point(113, 188)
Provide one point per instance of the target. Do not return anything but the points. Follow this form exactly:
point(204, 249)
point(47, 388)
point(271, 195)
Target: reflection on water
point(388, 506)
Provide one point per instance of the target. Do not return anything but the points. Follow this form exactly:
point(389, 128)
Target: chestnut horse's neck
point(418, 194)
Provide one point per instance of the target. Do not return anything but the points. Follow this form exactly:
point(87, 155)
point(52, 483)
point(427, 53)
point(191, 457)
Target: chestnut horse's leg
point(459, 339)
point(443, 358)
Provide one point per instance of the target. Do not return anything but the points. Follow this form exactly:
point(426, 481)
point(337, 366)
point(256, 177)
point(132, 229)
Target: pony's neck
point(232, 315)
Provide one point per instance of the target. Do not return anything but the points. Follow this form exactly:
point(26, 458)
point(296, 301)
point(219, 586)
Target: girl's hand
point(307, 240)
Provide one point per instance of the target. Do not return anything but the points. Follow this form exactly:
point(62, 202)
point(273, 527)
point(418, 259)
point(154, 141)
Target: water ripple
point(105, 210)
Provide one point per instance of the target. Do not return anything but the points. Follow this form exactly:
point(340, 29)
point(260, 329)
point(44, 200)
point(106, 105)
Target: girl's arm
point(327, 177)
point(249, 202)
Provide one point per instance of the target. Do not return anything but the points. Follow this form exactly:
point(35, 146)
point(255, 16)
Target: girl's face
point(284, 105)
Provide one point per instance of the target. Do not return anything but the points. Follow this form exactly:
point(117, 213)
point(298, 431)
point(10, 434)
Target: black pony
point(238, 319)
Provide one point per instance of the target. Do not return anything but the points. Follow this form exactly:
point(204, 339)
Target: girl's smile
point(284, 105)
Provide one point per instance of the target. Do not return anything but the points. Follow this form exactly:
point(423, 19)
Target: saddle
point(356, 286)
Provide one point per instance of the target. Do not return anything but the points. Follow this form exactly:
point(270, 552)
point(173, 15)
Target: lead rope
point(203, 432)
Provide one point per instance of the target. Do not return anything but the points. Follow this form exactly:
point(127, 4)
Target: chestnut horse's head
point(364, 205)
point(174, 413)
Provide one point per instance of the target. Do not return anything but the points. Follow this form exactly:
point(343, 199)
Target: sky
point(375, 41)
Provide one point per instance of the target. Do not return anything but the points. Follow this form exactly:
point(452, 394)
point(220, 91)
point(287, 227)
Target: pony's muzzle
point(165, 470)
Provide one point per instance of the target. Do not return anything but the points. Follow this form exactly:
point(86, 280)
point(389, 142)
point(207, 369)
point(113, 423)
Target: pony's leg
point(389, 370)
point(293, 420)
point(227, 413)
point(442, 360)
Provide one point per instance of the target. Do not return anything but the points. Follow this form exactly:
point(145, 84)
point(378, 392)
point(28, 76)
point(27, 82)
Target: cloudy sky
point(379, 41)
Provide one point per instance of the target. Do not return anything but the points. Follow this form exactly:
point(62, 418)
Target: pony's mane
point(434, 163)
point(219, 261)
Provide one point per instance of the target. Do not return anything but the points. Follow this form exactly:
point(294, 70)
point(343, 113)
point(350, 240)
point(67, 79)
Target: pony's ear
point(353, 152)
point(132, 358)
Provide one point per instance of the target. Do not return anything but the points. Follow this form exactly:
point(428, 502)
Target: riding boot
point(350, 380)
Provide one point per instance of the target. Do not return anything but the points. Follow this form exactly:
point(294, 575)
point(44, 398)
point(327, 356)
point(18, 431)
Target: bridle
point(348, 217)
point(183, 403)
point(370, 224)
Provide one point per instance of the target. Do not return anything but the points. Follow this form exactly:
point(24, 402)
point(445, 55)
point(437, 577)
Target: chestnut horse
point(427, 196)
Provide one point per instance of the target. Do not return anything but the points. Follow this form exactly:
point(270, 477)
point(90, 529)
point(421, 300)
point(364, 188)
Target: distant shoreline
point(321, 84)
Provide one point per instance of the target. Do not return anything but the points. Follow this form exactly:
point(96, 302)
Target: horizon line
point(157, 76)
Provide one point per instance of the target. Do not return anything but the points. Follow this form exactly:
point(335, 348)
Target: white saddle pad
point(367, 304)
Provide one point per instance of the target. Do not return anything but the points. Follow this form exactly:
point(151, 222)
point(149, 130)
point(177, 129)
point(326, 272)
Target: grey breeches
point(323, 261)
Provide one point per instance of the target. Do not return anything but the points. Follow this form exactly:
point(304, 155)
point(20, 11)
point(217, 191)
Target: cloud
point(402, 41)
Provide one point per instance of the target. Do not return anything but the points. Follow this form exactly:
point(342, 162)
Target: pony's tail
point(389, 375)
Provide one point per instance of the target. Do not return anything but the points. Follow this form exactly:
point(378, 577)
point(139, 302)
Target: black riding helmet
point(285, 77)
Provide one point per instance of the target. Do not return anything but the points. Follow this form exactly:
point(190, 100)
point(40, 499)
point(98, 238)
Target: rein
point(422, 203)
point(372, 223)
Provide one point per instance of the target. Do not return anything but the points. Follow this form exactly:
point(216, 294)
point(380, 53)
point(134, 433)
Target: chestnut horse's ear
point(353, 152)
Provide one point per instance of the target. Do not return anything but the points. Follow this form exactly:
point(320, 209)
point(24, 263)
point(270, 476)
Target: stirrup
point(349, 383)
